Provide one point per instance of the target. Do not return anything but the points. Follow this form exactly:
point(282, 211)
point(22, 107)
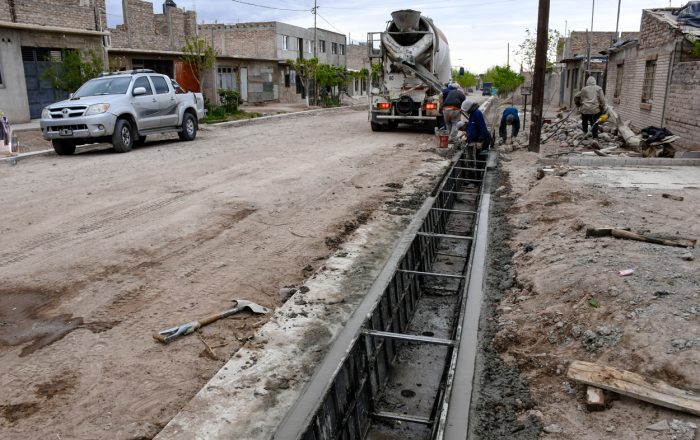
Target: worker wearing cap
point(591, 103)
point(477, 131)
point(451, 111)
point(510, 117)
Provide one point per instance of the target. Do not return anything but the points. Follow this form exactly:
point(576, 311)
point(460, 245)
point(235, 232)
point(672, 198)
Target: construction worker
point(509, 117)
point(451, 112)
point(477, 131)
point(591, 103)
point(446, 91)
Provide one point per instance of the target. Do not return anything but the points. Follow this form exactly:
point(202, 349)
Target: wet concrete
point(500, 394)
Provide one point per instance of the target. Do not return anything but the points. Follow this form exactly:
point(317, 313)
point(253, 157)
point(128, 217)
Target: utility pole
point(508, 56)
point(538, 79)
point(617, 23)
point(588, 65)
point(315, 53)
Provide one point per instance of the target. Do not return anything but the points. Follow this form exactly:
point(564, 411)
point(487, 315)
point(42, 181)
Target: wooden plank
point(635, 386)
point(625, 234)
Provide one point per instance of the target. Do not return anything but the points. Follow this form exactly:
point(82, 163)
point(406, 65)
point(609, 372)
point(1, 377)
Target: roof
point(594, 58)
point(619, 46)
point(686, 19)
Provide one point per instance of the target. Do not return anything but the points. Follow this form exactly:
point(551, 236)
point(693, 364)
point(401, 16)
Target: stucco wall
point(13, 92)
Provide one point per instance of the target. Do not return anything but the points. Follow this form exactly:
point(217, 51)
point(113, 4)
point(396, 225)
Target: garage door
point(40, 93)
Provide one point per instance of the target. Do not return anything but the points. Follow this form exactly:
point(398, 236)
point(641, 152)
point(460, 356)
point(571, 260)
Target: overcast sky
point(478, 31)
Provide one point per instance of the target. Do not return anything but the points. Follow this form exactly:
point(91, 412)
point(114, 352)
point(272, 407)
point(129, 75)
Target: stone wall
point(357, 58)
point(74, 14)
point(142, 29)
point(683, 104)
point(577, 43)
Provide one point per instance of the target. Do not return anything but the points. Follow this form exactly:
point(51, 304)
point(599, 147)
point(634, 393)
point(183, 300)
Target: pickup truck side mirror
point(138, 91)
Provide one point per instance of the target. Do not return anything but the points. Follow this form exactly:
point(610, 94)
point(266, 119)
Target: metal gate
point(40, 92)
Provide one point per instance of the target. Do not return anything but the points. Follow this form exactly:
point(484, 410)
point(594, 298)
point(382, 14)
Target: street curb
point(271, 118)
point(637, 162)
point(244, 122)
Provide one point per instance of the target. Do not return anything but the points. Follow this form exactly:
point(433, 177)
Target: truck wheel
point(63, 148)
point(123, 137)
point(189, 128)
point(376, 126)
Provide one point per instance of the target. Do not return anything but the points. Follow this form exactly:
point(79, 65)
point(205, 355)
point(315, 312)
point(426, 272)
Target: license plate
point(66, 132)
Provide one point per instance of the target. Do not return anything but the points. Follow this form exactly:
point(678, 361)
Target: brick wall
point(357, 58)
point(246, 40)
point(630, 106)
point(5, 11)
point(142, 29)
point(75, 14)
point(577, 43)
point(655, 32)
point(683, 104)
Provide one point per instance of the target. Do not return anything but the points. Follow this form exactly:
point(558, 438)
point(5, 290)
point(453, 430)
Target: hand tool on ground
point(168, 335)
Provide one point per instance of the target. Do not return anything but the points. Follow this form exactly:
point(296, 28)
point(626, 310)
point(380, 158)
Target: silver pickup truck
point(122, 109)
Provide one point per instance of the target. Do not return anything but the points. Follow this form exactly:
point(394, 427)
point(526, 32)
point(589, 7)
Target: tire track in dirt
point(83, 227)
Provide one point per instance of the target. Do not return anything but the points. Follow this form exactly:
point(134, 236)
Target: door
point(166, 102)
point(244, 84)
point(40, 92)
point(146, 106)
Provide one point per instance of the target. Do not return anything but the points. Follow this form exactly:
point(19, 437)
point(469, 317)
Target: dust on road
point(100, 250)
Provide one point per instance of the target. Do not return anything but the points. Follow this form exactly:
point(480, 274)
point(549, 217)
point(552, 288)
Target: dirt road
point(100, 250)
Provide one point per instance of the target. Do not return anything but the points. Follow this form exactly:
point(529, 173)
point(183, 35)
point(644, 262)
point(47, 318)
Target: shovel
point(168, 335)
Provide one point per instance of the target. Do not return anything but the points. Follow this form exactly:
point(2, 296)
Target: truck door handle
point(155, 100)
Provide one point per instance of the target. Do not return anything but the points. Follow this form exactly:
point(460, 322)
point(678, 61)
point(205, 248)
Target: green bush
point(229, 100)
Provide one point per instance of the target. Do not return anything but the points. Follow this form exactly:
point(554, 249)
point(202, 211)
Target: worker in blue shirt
point(477, 131)
point(510, 117)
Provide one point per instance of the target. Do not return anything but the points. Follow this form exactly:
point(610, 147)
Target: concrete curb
point(14, 159)
point(638, 162)
point(272, 118)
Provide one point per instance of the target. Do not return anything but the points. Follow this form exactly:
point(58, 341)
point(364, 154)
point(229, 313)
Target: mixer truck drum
point(404, 106)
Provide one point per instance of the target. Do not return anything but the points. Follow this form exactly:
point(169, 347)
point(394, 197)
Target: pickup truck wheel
point(123, 137)
point(189, 128)
point(63, 148)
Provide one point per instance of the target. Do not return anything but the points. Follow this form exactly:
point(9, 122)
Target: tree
point(74, 69)
point(306, 69)
point(330, 76)
point(503, 78)
point(467, 80)
point(199, 55)
point(526, 49)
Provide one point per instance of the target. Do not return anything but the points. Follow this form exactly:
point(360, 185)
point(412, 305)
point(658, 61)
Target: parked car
point(470, 90)
point(122, 108)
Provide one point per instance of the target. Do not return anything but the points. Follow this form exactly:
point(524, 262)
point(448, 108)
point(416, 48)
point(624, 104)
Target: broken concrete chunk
point(553, 428)
point(683, 430)
point(659, 426)
point(688, 256)
point(595, 399)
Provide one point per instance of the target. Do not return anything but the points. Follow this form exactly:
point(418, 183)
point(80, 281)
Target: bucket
point(442, 139)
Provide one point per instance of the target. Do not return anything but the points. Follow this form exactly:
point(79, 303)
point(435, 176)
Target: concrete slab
point(671, 178)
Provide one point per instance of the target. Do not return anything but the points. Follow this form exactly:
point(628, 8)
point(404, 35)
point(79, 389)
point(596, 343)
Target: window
point(618, 80)
point(648, 87)
point(285, 42)
point(334, 48)
point(309, 47)
point(143, 82)
point(160, 85)
point(322, 46)
point(342, 49)
point(225, 75)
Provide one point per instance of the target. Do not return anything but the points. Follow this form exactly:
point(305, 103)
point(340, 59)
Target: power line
point(270, 7)
point(329, 23)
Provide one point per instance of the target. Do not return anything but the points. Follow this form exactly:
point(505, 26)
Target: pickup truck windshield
point(103, 86)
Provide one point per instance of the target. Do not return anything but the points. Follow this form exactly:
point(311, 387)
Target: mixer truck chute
point(415, 65)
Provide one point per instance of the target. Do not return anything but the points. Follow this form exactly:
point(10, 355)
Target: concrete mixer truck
point(415, 66)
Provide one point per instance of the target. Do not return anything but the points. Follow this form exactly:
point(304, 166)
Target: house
point(574, 57)
point(358, 60)
point(655, 79)
point(252, 58)
point(31, 39)
point(146, 40)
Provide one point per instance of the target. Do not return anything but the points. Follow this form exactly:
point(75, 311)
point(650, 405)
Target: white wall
point(13, 91)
